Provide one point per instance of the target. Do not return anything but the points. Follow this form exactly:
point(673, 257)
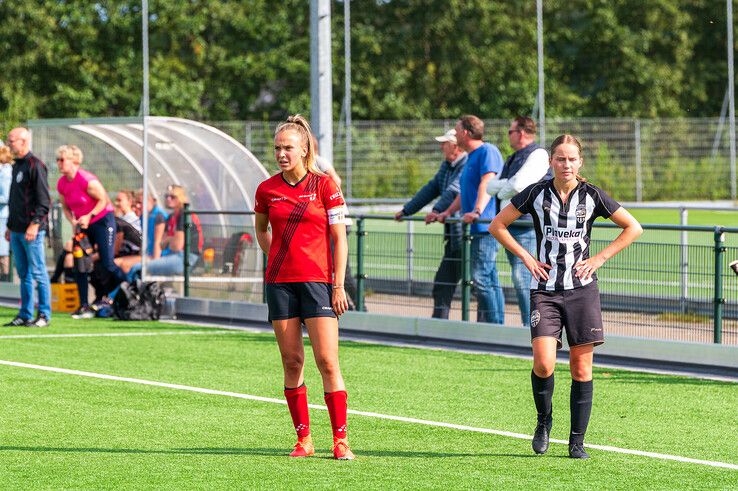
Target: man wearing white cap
point(444, 186)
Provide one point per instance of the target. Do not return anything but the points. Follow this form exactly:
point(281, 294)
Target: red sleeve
point(331, 194)
point(260, 201)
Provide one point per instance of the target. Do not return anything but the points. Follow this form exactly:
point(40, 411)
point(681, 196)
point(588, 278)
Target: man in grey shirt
point(444, 186)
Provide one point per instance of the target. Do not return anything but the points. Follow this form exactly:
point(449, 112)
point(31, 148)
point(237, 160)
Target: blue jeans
point(490, 299)
point(101, 233)
point(30, 263)
point(526, 237)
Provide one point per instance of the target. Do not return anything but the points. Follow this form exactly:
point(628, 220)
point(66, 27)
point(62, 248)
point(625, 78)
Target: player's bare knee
point(293, 363)
point(543, 368)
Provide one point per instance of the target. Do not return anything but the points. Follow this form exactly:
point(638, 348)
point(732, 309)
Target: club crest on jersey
point(535, 318)
point(19, 177)
point(581, 213)
point(563, 234)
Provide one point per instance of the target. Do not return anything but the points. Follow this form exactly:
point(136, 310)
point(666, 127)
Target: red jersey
point(298, 214)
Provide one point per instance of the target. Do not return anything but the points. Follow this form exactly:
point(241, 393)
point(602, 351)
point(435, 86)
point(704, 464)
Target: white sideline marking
point(114, 334)
point(360, 413)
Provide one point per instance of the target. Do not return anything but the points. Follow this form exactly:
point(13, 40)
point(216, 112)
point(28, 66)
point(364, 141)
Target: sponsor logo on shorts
point(535, 318)
point(326, 308)
point(595, 329)
point(563, 234)
point(581, 213)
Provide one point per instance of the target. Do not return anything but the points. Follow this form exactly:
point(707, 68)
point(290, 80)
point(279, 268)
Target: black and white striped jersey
point(563, 230)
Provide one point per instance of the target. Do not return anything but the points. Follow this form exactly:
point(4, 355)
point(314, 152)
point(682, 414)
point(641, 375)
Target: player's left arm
point(340, 257)
point(631, 231)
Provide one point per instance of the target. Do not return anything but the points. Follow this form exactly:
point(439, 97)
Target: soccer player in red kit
point(303, 282)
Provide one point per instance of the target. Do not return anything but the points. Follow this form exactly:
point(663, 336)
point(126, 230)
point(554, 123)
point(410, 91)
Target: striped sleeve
point(605, 206)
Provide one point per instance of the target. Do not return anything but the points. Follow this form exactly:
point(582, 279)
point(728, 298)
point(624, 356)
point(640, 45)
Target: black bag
point(139, 301)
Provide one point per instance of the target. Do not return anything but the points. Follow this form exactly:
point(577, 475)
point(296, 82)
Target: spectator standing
point(303, 280)
point(527, 165)
point(28, 222)
point(6, 177)
point(564, 284)
point(444, 186)
point(86, 205)
point(483, 164)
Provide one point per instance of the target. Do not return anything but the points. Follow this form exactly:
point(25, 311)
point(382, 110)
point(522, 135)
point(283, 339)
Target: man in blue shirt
point(484, 163)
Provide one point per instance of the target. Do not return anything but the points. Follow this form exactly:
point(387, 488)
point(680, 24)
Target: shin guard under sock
point(337, 408)
point(580, 404)
point(297, 401)
point(543, 389)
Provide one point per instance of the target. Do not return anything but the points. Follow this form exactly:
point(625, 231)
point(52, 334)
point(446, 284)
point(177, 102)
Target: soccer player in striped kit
point(303, 281)
point(564, 292)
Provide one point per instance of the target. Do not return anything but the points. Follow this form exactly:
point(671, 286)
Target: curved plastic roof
point(217, 171)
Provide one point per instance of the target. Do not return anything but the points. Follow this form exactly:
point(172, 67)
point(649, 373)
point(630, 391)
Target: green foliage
point(411, 59)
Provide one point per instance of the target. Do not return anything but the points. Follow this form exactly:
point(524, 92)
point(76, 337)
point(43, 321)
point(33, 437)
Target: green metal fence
point(661, 287)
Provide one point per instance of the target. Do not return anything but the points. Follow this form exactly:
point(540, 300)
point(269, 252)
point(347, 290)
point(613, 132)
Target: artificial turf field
point(70, 431)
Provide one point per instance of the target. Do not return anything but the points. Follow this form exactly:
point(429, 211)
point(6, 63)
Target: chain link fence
point(633, 159)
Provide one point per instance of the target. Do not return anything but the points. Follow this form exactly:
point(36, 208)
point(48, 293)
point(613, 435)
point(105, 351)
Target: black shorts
point(303, 300)
point(578, 311)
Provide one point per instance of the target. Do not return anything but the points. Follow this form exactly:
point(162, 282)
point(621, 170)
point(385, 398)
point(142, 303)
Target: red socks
point(297, 401)
point(337, 407)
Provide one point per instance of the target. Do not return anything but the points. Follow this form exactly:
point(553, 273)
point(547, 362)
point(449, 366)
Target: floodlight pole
point(145, 117)
point(731, 97)
point(541, 97)
point(321, 80)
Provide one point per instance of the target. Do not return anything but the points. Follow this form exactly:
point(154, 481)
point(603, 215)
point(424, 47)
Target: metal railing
point(660, 287)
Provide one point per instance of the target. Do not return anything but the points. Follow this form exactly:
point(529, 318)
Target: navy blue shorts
point(578, 311)
point(303, 300)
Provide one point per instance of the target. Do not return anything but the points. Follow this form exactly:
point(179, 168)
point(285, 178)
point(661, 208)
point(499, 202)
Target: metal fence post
point(683, 219)
point(360, 276)
point(466, 280)
point(719, 301)
point(410, 250)
point(186, 249)
point(639, 169)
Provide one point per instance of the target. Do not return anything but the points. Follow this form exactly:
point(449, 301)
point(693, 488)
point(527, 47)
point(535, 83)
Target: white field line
point(116, 334)
point(361, 413)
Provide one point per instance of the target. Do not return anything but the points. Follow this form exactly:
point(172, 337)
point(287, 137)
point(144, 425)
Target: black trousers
point(446, 279)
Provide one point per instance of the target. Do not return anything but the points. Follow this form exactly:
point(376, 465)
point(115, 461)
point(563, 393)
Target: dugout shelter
point(217, 171)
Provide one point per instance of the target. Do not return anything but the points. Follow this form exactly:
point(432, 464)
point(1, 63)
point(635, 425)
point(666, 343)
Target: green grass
point(64, 431)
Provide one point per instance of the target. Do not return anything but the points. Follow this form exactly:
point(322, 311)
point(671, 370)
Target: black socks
point(543, 389)
point(580, 405)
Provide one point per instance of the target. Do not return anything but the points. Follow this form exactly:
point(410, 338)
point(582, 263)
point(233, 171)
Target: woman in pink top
point(86, 204)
